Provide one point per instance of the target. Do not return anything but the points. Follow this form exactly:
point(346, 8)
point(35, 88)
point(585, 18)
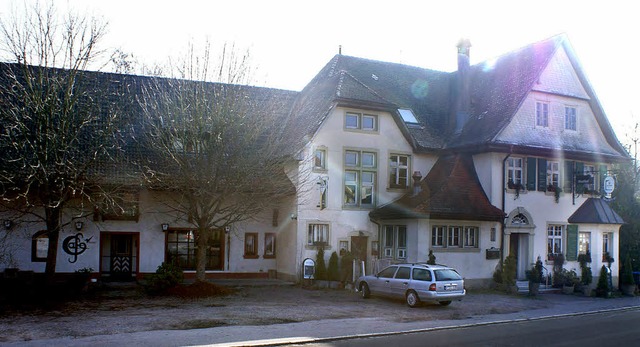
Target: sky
point(290, 41)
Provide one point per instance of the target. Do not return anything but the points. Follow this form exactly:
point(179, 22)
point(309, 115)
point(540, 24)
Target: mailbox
point(309, 268)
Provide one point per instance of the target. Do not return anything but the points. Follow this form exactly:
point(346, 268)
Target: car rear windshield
point(447, 275)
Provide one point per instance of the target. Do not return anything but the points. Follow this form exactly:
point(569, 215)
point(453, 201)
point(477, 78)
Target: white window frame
point(584, 242)
point(515, 166)
point(570, 118)
point(361, 120)
point(555, 234)
point(553, 173)
point(471, 235)
point(396, 168)
point(439, 236)
point(395, 242)
point(455, 237)
point(607, 245)
point(542, 114)
point(317, 233)
point(361, 175)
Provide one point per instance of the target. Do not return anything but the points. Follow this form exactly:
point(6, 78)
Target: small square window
point(351, 158)
point(320, 159)
point(351, 121)
point(368, 122)
point(368, 159)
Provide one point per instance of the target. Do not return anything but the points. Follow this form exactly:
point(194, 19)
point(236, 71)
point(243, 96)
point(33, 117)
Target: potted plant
point(627, 283)
point(556, 191)
point(346, 269)
point(321, 269)
point(333, 272)
point(509, 274)
point(517, 187)
point(535, 277)
point(586, 276)
point(570, 281)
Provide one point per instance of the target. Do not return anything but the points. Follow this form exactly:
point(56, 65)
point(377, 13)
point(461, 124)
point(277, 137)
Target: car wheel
point(364, 291)
point(445, 303)
point(412, 299)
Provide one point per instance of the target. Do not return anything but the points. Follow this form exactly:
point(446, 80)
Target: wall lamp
point(165, 226)
point(8, 224)
point(79, 226)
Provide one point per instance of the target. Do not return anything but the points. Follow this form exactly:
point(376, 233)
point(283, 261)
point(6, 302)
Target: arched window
point(520, 219)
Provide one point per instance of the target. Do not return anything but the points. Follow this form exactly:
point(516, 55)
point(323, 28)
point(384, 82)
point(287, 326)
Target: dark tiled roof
point(595, 211)
point(451, 190)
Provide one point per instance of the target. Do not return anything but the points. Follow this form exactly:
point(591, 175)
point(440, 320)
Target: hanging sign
point(608, 186)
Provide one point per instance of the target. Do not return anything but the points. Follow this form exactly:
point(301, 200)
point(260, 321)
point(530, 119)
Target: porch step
point(523, 288)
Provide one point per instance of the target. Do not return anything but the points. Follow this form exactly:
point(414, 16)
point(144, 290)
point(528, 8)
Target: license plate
point(451, 287)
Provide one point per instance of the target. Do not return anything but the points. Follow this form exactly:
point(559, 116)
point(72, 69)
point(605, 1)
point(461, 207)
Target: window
point(359, 121)
point(554, 240)
point(403, 273)
point(570, 118)
point(399, 171)
point(322, 186)
point(542, 114)
point(421, 274)
point(470, 237)
point(39, 246)
point(553, 173)
point(343, 247)
point(269, 245)
point(318, 234)
point(388, 272)
point(251, 245)
point(320, 159)
point(395, 241)
point(590, 170)
point(607, 246)
point(359, 178)
point(438, 235)
point(455, 236)
point(584, 240)
point(514, 172)
point(181, 249)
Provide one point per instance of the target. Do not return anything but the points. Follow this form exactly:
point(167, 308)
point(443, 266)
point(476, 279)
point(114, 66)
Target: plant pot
point(534, 288)
point(568, 289)
point(628, 289)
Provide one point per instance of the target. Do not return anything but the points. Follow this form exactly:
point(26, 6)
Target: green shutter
point(531, 174)
point(572, 243)
point(542, 175)
point(579, 171)
point(568, 176)
point(603, 174)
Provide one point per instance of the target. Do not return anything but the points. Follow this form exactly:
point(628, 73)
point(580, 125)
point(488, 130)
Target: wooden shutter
point(568, 176)
point(572, 243)
point(531, 174)
point(542, 175)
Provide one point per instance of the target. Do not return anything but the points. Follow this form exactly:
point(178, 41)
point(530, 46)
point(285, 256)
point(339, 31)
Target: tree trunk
point(201, 254)
point(53, 216)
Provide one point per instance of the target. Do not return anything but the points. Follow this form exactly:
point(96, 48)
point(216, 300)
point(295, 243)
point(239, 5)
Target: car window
point(447, 275)
point(403, 273)
point(421, 275)
point(388, 272)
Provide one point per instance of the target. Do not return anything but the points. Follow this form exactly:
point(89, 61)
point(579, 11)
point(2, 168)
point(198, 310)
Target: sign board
point(309, 268)
point(608, 186)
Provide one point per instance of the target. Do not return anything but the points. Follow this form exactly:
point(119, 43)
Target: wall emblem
point(75, 245)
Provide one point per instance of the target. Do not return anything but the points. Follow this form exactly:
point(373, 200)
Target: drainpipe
point(504, 198)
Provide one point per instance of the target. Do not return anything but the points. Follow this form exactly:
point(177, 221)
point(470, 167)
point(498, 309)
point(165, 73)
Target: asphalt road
point(618, 328)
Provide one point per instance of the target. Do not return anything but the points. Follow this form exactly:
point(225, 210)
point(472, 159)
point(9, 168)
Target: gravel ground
point(128, 310)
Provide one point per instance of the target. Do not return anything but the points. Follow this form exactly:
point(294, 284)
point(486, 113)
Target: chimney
point(417, 176)
point(462, 97)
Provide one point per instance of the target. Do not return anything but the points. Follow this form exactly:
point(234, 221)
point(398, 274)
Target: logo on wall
point(75, 245)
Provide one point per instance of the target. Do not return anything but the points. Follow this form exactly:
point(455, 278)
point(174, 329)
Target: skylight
point(407, 115)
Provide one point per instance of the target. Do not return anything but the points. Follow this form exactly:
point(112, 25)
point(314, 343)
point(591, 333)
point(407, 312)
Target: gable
point(559, 77)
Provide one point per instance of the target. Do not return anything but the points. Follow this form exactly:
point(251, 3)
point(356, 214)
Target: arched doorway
point(519, 232)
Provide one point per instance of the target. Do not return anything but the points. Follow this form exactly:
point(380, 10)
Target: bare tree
point(215, 146)
point(56, 124)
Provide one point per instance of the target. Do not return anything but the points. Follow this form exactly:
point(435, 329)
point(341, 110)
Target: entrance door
point(359, 252)
point(519, 247)
point(121, 257)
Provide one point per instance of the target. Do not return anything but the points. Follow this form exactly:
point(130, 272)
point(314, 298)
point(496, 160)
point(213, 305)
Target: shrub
point(602, 288)
point(586, 276)
point(167, 276)
point(509, 271)
point(627, 272)
point(535, 274)
point(432, 258)
point(333, 272)
point(321, 268)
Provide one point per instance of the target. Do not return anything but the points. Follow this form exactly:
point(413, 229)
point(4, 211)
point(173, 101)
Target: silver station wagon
point(414, 283)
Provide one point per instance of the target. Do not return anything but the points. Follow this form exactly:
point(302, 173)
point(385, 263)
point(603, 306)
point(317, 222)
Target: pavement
point(335, 329)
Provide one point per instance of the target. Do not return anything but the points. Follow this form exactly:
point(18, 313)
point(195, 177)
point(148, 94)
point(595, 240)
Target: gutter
point(504, 198)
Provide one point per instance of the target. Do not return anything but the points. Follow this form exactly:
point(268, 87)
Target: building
point(509, 156)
